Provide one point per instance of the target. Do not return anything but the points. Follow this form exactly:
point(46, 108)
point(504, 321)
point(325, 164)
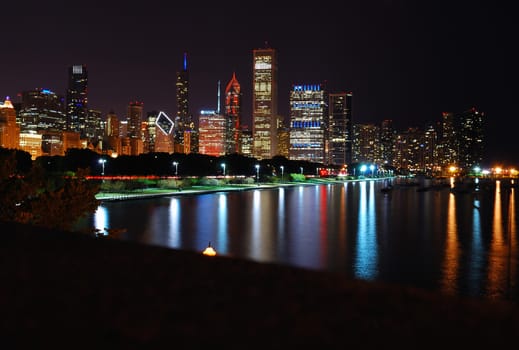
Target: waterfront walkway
point(155, 192)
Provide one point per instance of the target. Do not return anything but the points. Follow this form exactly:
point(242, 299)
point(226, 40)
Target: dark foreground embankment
point(68, 289)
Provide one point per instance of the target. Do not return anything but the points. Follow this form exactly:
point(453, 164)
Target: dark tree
point(39, 198)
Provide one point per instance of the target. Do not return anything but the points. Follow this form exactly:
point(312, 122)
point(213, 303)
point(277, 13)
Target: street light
point(176, 168)
point(363, 169)
point(102, 162)
point(223, 166)
point(257, 172)
point(372, 167)
point(282, 168)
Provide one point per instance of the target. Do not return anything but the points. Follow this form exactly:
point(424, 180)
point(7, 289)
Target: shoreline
point(195, 190)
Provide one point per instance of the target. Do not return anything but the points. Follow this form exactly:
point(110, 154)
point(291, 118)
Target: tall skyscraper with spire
point(183, 120)
point(77, 99)
point(232, 115)
point(264, 102)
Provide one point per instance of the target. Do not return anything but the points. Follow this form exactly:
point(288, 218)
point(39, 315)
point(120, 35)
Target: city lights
point(176, 168)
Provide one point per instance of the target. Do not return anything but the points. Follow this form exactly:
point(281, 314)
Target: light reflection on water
point(461, 244)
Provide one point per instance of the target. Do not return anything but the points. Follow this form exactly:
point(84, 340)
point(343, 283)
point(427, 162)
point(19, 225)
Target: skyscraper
point(9, 129)
point(387, 142)
point(469, 125)
point(211, 133)
point(183, 120)
point(41, 109)
point(232, 115)
point(77, 99)
point(308, 122)
point(340, 129)
point(134, 119)
point(264, 102)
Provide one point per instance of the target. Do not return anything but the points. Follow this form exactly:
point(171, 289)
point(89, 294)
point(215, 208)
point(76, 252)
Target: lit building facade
point(41, 109)
point(77, 99)
point(211, 131)
point(31, 142)
point(340, 131)
point(448, 148)
point(9, 128)
point(470, 136)
point(366, 143)
point(410, 152)
point(134, 117)
point(387, 142)
point(112, 124)
point(283, 141)
point(232, 105)
point(308, 122)
point(94, 126)
point(264, 102)
point(246, 141)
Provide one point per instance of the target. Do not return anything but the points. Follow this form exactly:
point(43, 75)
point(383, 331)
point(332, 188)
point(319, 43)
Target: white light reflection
point(174, 223)
point(256, 226)
point(477, 248)
point(101, 220)
point(222, 223)
point(281, 215)
point(366, 254)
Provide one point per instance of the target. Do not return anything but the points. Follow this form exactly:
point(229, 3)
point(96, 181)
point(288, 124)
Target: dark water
point(462, 244)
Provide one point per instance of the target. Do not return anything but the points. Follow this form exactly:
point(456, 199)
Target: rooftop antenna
point(218, 103)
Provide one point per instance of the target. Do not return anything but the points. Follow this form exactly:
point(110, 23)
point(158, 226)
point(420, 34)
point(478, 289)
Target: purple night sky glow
point(403, 60)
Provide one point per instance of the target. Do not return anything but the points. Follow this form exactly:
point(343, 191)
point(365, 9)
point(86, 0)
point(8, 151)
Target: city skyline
point(400, 60)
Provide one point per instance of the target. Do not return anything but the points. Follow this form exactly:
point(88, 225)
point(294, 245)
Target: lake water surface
point(456, 243)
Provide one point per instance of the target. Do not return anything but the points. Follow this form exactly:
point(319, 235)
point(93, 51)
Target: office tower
point(308, 122)
point(77, 99)
point(264, 102)
point(112, 124)
point(93, 128)
point(233, 98)
point(134, 118)
point(340, 129)
point(112, 139)
point(9, 129)
point(469, 125)
point(448, 148)
point(430, 147)
point(211, 133)
point(387, 142)
point(366, 143)
point(183, 120)
point(41, 109)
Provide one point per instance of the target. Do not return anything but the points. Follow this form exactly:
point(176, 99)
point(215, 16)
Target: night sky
point(403, 60)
